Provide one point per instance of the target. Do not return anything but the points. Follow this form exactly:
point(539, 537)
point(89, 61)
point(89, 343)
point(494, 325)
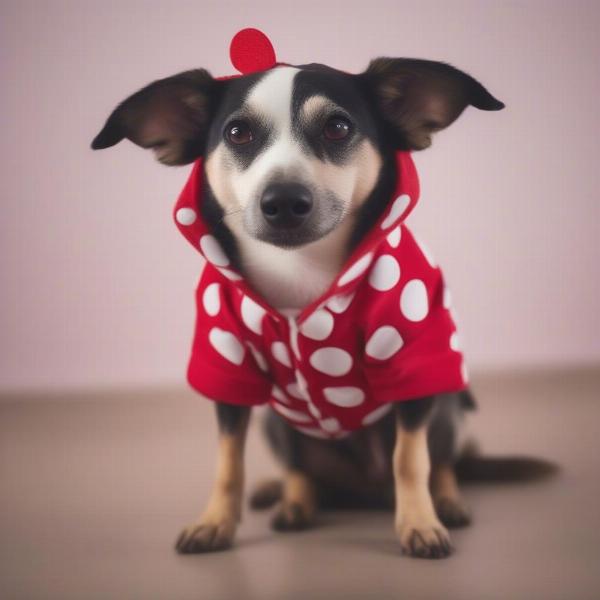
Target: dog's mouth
point(291, 238)
point(324, 217)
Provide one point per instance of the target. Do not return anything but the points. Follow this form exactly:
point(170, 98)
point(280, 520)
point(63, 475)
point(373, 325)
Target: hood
point(251, 52)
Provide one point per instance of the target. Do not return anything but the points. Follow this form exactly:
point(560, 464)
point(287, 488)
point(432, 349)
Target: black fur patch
point(413, 413)
point(231, 417)
point(342, 90)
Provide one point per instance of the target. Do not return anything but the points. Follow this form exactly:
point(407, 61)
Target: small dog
point(300, 165)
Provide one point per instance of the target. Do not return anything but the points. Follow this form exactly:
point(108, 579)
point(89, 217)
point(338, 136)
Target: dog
point(299, 165)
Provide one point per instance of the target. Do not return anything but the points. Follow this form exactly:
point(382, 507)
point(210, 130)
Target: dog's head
point(290, 152)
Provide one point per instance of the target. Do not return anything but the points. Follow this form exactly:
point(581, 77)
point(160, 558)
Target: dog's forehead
point(271, 96)
point(279, 92)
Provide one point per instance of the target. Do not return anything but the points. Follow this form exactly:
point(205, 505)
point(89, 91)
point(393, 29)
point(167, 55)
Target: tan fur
point(298, 504)
point(299, 489)
point(215, 528)
point(417, 525)
point(313, 106)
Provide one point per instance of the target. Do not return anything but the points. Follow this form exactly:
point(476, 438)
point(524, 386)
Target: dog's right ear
point(418, 97)
point(171, 116)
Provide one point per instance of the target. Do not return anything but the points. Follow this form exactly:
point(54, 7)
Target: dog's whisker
point(229, 214)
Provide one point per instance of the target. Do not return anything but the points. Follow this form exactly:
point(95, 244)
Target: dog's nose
point(286, 205)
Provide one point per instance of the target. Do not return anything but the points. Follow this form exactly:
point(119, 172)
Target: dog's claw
point(291, 517)
point(205, 537)
point(430, 542)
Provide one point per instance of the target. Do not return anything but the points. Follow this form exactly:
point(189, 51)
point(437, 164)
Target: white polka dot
point(447, 300)
point(313, 432)
point(231, 275)
point(252, 315)
point(280, 352)
point(227, 345)
point(384, 343)
point(385, 274)
point(394, 236)
point(375, 415)
point(426, 252)
point(357, 269)
point(331, 361)
point(455, 342)
point(293, 415)
point(314, 411)
point(338, 304)
point(261, 361)
point(212, 251)
point(301, 381)
point(318, 326)
point(211, 299)
point(464, 373)
point(293, 389)
point(299, 388)
point(186, 216)
point(345, 397)
point(330, 425)
point(278, 394)
point(294, 338)
point(398, 207)
point(413, 300)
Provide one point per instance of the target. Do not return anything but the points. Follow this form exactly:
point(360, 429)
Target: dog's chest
point(293, 278)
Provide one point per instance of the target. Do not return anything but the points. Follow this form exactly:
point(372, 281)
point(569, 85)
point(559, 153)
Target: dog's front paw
point(431, 541)
point(206, 537)
point(292, 516)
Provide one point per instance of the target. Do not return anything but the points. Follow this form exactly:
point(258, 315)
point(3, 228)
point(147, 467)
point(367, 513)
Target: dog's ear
point(416, 98)
point(171, 116)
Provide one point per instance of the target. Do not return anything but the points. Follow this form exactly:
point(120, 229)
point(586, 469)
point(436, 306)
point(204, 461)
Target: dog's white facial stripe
point(272, 97)
point(271, 100)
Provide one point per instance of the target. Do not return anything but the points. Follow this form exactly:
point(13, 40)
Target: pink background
point(97, 284)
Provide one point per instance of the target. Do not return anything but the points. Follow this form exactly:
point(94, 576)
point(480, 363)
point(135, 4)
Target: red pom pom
point(251, 51)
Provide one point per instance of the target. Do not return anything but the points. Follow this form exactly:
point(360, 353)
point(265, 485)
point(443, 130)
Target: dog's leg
point(298, 504)
point(449, 505)
point(215, 529)
point(417, 525)
point(297, 495)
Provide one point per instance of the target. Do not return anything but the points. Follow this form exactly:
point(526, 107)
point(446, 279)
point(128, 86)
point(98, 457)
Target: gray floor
point(93, 493)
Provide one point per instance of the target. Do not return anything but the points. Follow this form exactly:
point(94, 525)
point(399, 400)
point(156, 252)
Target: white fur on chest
point(293, 278)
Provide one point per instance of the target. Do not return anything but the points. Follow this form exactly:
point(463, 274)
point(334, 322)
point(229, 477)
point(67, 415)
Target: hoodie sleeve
point(412, 347)
point(223, 367)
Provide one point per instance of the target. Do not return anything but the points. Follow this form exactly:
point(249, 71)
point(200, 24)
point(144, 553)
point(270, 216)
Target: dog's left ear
point(416, 97)
point(170, 116)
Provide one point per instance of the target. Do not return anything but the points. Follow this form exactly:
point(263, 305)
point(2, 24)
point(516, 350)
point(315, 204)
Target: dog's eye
point(239, 133)
point(337, 128)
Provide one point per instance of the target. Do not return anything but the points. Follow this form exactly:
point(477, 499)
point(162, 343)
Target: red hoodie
point(381, 333)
